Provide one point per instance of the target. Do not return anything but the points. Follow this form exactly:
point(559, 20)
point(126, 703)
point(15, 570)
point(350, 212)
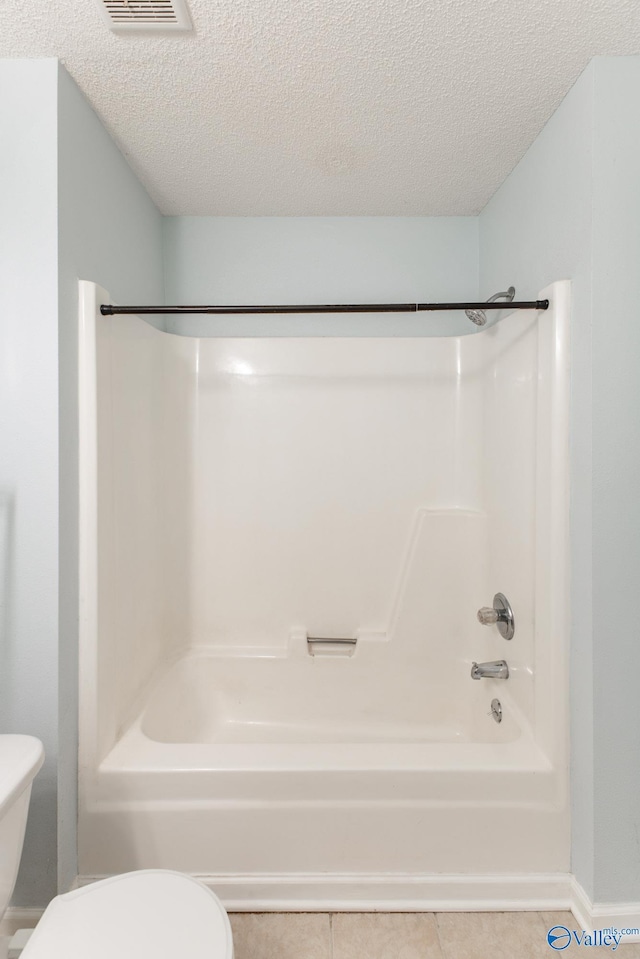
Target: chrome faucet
point(495, 670)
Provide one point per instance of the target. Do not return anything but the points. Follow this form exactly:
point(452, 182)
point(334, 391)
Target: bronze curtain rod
point(108, 309)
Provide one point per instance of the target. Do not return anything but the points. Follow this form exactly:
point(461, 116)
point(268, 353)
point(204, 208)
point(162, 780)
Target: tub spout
point(495, 670)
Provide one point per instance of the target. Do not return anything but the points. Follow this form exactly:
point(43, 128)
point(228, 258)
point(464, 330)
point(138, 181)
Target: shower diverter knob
point(501, 614)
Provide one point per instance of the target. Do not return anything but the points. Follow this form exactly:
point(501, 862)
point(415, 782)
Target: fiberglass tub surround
point(247, 494)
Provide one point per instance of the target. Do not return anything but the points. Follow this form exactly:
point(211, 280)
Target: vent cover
point(160, 16)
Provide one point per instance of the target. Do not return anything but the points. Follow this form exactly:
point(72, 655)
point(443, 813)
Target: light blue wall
point(71, 208)
point(571, 208)
point(321, 260)
point(109, 232)
point(29, 443)
point(616, 477)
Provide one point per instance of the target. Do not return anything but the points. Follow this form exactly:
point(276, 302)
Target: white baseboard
point(16, 918)
point(395, 893)
point(399, 893)
point(602, 915)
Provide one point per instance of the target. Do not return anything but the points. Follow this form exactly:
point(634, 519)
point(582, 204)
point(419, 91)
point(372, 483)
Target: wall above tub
point(320, 260)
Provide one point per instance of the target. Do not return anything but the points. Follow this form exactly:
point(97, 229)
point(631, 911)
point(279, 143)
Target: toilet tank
point(20, 759)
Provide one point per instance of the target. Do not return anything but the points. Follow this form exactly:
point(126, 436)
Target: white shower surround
point(237, 494)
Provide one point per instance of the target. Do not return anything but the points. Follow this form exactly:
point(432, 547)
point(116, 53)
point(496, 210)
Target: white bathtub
point(205, 698)
point(395, 812)
point(360, 777)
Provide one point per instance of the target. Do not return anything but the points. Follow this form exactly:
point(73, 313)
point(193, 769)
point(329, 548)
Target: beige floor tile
point(273, 935)
point(629, 950)
point(493, 935)
point(558, 919)
point(389, 935)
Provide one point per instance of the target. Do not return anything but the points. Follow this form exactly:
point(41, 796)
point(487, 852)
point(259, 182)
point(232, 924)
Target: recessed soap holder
point(361, 641)
point(331, 645)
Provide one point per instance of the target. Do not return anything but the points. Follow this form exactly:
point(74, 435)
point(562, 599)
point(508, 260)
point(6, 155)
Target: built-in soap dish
point(303, 643)
point(331, 645)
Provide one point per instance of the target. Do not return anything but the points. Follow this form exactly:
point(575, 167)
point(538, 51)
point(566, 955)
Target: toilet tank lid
point(20, 759)
point(150, 914)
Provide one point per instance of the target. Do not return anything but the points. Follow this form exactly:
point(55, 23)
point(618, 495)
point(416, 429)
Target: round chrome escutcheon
point(506, 623)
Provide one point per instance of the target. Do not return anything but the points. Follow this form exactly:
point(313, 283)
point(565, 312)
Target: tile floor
point(449, 935)
point(393, 935)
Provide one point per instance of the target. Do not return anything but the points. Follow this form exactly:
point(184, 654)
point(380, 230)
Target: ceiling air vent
point(160, 16)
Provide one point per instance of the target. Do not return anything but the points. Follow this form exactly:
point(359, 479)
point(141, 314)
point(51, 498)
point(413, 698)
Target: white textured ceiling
point(327, 107)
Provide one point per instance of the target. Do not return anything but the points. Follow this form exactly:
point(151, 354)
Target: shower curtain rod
point(108, 309)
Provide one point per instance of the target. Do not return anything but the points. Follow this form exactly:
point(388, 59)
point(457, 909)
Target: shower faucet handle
point(488, 615)
point(501, 614)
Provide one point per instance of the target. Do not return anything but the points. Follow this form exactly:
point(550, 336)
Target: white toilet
point(151, 914)
point(20, 759)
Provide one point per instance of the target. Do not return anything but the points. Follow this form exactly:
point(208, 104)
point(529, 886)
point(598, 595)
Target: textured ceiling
point(327, 107)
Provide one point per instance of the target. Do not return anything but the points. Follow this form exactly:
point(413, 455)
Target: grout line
point(330, 935)
point(543, 921)
point(440, 943)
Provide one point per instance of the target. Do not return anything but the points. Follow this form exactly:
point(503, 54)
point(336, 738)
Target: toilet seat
point(150, 914)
